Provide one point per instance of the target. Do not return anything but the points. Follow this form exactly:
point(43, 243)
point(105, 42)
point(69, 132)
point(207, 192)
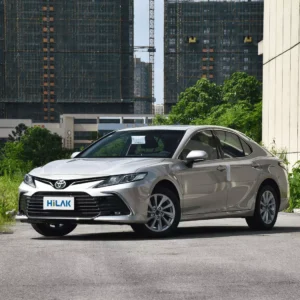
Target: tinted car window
point(203, 140)
point(230, 144)
point(246, 147)
point(148, 143)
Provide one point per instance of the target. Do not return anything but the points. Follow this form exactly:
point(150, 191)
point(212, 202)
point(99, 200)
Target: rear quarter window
point(247, 148)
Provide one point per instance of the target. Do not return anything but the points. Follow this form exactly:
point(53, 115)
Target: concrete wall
point(281, 89)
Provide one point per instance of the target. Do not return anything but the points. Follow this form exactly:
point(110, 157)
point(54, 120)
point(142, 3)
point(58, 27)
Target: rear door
point(243, 172)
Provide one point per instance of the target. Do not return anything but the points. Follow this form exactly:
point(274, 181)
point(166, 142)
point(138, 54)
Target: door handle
point(221, 168)
point(255, 165)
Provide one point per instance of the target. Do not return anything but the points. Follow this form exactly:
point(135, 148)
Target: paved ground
point(219, 259)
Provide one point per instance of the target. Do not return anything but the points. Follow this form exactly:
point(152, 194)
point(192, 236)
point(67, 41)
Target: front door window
point(204, 141)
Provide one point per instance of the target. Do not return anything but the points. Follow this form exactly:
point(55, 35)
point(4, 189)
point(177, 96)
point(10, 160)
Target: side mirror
point(196, 155)
point(74, 154)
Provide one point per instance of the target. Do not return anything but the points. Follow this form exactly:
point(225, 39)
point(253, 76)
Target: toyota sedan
point(152, 178)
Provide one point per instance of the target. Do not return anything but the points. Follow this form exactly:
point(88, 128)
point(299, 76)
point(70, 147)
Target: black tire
point(53, 229)
point(145, 231)
point(256, 222)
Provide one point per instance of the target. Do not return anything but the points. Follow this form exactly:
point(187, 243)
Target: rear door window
point(230, 144)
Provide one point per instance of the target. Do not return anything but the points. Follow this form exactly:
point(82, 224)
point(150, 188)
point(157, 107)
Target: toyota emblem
point(60, 184)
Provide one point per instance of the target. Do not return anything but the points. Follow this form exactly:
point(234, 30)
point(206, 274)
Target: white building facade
point(77, 130)
point(281, 77)
point(158, 109)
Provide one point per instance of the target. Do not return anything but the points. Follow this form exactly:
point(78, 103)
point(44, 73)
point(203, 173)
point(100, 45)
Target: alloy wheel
point(161, 213)
point(267, 207)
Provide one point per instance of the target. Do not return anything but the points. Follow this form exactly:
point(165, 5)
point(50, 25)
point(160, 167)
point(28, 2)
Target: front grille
point(68, 182)
point(85, 206)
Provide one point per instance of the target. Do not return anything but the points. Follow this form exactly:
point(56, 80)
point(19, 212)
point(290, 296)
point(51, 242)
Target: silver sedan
point(152, 178)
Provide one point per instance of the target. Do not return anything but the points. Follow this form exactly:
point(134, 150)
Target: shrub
point(8, 196)
point(294, 179)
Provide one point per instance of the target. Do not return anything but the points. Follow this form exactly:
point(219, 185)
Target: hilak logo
point(55, 203)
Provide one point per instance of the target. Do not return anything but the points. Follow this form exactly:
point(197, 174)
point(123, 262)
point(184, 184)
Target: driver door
point(204, 184)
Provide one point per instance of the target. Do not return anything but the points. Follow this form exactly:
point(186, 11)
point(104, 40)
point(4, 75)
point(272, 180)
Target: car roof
point(189, 128)
point(162, 127)
point(177, 127)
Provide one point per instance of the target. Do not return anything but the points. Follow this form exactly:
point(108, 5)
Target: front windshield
point(146, 143)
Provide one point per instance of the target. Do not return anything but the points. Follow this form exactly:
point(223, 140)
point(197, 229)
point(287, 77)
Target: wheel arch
point(271, 182)
point(169, 185)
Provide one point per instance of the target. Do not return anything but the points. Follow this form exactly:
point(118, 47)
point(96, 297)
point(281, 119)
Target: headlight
point(119, 179)
point(28, 179)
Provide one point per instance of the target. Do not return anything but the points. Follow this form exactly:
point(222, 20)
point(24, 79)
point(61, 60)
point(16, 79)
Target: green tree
point(17, 133)
point(236, 104)
point(241, 87)
point(41, 146)
point(241, 116)
point(160, 120)
point(195, 102)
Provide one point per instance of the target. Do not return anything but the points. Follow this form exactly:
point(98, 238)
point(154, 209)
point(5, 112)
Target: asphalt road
point(218, 259)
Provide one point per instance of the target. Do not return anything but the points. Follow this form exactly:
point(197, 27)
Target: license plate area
point(58, 203)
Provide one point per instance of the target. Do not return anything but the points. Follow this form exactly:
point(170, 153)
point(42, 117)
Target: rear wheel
point(163, 214)
point(266, 209)
point(53, 229)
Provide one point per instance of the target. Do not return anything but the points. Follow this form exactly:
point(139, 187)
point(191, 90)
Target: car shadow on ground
point(181, 233)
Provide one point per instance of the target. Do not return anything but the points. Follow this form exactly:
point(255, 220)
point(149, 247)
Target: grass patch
point(8, 197)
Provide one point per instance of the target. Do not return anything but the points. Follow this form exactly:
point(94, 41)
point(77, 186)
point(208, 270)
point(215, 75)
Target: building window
point(246, 59)
point(172, 11)
point(85, 121)
point(85, 135)
point(172, 41)
point(206, 42)
point(109, 121)
point(225, 42)
point(172, 31)
point(245, 68)
point(129, 121)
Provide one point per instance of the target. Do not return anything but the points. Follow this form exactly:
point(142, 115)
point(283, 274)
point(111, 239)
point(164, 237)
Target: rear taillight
point(283, 165)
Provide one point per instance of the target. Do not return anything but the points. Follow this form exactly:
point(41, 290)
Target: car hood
point(91, 167)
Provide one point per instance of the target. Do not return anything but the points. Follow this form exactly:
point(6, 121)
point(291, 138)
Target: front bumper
point(134, 196)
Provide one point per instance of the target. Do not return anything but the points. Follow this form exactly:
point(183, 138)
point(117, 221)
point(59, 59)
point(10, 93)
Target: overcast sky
point(141, 38)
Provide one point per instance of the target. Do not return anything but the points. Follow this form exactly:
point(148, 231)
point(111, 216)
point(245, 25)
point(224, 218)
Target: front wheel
point(266, 210)
point(53, 229)
point(163, 214)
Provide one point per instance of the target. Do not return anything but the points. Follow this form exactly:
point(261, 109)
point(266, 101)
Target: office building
point(210, 39)
point(66, 57)
point(142, 86)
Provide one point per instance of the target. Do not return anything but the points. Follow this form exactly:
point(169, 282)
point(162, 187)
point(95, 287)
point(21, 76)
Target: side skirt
point(218, 215)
